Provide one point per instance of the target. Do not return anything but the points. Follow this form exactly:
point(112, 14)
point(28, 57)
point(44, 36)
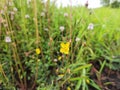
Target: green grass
point(50, 69)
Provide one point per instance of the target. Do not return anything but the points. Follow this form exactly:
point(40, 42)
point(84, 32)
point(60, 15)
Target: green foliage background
point(21, 67)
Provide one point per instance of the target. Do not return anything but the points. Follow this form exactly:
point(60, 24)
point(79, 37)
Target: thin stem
point(37, 38)
point(15, 49)
point(2, 71)
point(36, 22)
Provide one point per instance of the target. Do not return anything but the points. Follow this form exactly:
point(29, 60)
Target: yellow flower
point(59, 58)
point(38, 51)
point(88, 81)
point(64, 47)
point(61, 75)
point(68, 88)
point(38, 60)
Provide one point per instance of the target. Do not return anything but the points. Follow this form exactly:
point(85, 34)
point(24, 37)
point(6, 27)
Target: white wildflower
point(15, 9)
point(12, 13)
point(27, 16)
point(113, 56)
point(2, 20)
point(28, 2)
point(5, 25)
point(5, 8)
point(55, 60)
point(46, 29)
point(7, 39)
point(12, 17)
point(43, 1)
point(90, 26)
point(65, 14)
point(70, 40)
point(62, 28)
point(77, 39)
point(42, 14)
point(1, 11)
point(10, 3)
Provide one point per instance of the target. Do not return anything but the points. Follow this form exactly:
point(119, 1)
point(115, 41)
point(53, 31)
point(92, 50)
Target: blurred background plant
point(43, 47)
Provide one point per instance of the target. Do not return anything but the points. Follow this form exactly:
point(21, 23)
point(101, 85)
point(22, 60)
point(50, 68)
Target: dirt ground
point(107, 80)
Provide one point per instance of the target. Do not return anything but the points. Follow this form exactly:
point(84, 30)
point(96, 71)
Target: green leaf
point(81, 67)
